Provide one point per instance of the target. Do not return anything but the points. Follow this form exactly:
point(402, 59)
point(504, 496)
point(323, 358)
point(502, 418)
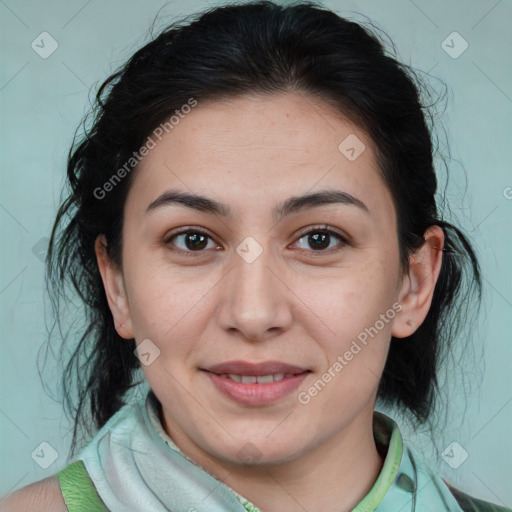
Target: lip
point(256, 394)
point(258, 369)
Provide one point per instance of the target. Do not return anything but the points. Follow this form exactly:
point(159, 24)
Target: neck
point(333, 476)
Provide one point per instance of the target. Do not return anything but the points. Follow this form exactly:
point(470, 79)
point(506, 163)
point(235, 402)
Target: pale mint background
point(43, 100)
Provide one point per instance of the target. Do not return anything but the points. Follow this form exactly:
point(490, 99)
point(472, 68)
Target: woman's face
point(265, 285)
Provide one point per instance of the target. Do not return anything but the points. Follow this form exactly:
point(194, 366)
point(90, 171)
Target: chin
point(261, 453)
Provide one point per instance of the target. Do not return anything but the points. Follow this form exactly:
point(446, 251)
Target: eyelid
point(324, 227)
point(183, 231)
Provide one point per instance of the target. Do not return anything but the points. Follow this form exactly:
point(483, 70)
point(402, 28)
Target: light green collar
point(385, 432)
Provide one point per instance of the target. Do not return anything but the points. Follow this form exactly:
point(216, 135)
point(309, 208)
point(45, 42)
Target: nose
point(255, 299)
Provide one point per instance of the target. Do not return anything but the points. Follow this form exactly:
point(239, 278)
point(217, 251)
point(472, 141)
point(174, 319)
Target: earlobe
point(113, 284)
point(419, 283)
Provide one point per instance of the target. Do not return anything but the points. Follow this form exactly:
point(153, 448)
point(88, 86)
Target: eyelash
point(324, 229)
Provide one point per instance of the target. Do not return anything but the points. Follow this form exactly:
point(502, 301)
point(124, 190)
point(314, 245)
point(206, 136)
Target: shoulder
point(42, 496)
point(469, 504)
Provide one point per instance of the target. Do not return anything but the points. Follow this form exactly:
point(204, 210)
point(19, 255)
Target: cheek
point(357, 308)
point(166, 301)
point(350, 299)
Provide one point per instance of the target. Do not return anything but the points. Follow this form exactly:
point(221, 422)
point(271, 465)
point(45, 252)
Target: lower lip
point(257, 394)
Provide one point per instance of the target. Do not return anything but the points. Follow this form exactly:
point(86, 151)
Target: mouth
point(256, 379)
point(257, 384)
point(265, 369)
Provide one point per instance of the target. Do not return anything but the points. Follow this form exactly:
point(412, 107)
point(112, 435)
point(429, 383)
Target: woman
point(252, 222)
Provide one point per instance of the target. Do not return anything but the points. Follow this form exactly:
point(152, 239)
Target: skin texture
point(42, 496)
point(294, 303)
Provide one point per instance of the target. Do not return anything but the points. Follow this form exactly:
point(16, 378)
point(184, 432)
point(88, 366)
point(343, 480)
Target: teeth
point(265, 379)
point(260, 379)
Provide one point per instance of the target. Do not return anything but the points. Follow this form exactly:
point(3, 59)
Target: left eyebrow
point(315, 199)
point(292, 205)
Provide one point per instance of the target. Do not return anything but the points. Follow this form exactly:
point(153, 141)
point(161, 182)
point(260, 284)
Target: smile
point(255, 384)
point(259, 379)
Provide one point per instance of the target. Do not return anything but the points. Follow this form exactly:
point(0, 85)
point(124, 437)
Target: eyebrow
point(292, 205)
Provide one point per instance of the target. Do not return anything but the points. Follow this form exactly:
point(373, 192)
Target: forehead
point(262, 148)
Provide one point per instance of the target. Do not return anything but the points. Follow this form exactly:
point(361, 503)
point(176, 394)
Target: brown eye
point(319, 240)
point(190, 241)
point(323, 239)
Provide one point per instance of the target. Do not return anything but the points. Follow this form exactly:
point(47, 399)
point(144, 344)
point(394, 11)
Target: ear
point(418, 284)
point(113, 283)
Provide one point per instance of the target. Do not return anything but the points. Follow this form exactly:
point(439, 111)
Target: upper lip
point(257, 369)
